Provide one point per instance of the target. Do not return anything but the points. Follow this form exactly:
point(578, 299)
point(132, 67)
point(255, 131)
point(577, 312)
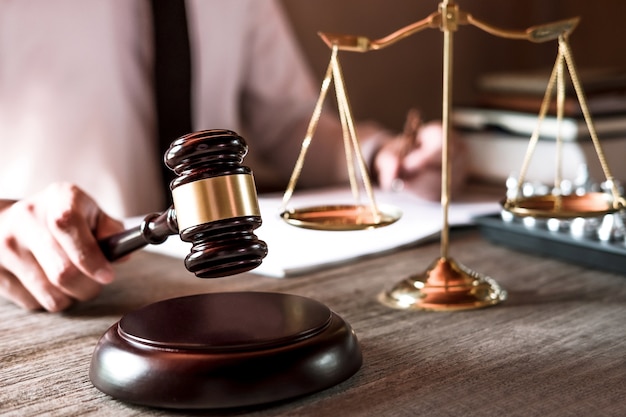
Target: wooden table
point(556, 347)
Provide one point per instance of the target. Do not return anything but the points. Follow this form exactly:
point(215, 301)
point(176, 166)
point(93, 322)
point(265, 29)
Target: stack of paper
point(293, 250)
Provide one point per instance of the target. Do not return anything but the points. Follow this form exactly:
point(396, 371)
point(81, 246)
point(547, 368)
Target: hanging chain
point(351, 144)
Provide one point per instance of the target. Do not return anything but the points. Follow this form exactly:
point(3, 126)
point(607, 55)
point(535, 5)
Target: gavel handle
point(154, 229)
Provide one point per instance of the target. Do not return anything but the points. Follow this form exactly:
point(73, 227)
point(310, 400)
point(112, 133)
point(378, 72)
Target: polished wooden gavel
point(215, 207)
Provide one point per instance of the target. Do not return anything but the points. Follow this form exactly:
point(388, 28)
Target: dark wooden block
point(224, 350)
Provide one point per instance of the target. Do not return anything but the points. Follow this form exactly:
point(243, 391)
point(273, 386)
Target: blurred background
point(383, 84)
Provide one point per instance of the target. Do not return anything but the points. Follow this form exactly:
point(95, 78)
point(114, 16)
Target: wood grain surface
point(556, 347)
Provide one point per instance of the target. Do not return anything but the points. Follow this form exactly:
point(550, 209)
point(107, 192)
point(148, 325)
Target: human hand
point(413, 160)
point(49, 255)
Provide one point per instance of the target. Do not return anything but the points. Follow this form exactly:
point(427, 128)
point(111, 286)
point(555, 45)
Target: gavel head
point(215, 203)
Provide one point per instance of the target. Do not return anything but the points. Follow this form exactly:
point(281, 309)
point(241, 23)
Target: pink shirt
point(76, 101)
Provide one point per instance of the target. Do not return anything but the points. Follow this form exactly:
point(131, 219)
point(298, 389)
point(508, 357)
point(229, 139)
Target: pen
point(410, 141)
point(411, 128)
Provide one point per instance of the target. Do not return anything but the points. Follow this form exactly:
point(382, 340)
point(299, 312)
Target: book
point(497, 128)
point(613, 102)
point(522, 123)
point(535, 82)
point(495, 155)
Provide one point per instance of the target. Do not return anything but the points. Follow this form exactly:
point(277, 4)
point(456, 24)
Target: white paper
point(294, 250)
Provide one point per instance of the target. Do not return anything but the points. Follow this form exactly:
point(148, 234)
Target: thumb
point(107, 226)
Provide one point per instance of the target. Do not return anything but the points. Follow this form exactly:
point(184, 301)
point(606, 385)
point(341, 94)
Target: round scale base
point(445, 286)
point(341, 217)
point(224, 350)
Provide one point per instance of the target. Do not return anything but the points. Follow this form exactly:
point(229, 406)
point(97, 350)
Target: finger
point(22, 264)
point(107, 226)
point(54, 262)
point(13, 290)
point(418, 160)
point(387, 164)
point(63, 274)
point(18, 263)
point(73, 226)
point(76, 285)
point(427, 184)
point(429, 154)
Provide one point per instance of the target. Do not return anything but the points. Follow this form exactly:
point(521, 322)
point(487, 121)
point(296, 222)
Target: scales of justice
point(447, 284)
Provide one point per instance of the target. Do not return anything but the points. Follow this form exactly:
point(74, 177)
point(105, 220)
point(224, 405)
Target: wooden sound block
point(224, 350)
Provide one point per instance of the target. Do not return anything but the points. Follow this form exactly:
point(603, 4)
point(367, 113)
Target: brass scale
point(141, 360)
point(446, 284)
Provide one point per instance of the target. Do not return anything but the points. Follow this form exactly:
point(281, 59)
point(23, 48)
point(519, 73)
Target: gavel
point(215, 207)
point(218, 350)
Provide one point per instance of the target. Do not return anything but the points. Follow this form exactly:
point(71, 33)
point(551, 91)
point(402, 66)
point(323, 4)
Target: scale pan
point(341, 217)
point(565, 206)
